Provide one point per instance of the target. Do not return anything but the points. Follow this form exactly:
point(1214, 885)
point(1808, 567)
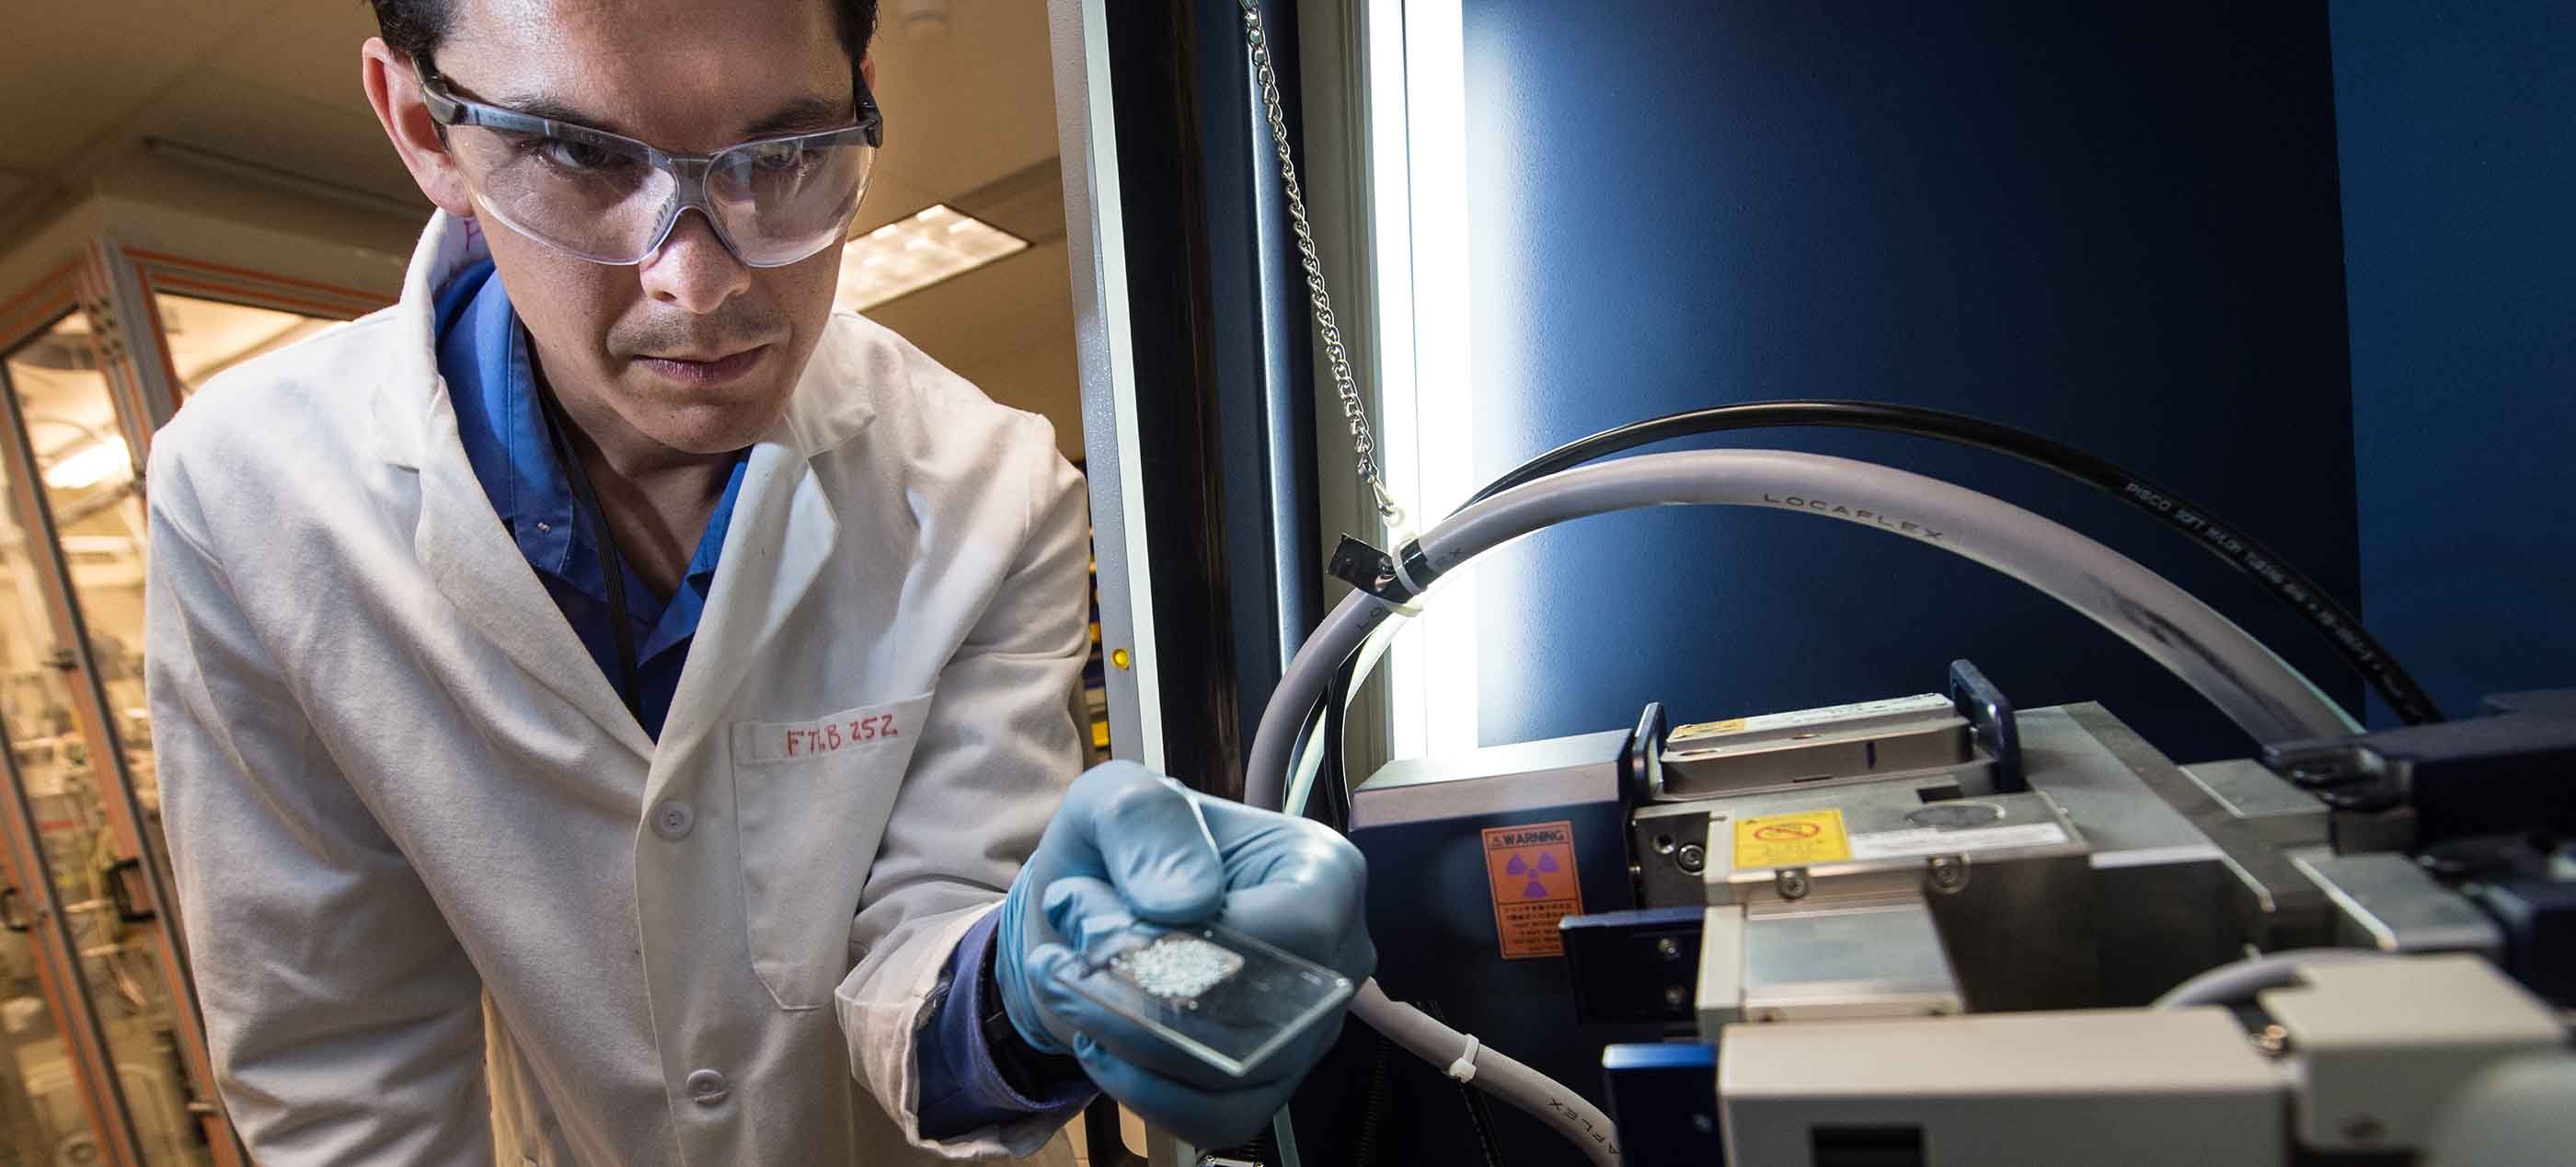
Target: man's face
point(691, 349)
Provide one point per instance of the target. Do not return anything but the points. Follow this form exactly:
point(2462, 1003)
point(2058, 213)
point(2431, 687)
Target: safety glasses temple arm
point(447, 109)
point(871, 120)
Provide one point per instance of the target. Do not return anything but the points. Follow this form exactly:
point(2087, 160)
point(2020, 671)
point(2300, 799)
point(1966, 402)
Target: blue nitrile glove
point(1127, 845)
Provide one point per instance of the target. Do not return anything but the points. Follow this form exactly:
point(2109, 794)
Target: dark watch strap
point(1023, 1068)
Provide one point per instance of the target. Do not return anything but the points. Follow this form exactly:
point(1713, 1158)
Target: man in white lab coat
point(611, 708)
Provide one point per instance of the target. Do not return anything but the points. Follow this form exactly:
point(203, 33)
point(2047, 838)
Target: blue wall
point(2117, 228)
point(2458, 128)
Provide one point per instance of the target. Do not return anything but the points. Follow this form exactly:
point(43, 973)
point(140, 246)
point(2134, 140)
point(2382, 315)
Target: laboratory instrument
point(1914, 928)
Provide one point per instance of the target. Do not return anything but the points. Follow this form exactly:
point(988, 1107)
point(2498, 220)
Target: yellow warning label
point(1791, 840)
point(1709, 728)
point(1531, 868)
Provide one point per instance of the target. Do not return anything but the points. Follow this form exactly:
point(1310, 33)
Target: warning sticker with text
point(1791, 840)
point(1531, 868)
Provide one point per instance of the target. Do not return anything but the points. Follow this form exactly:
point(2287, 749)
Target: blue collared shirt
point(483, 355)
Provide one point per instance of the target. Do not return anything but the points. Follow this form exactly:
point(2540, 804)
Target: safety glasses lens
point(775, 202)
point(595, 198)
point(782, 201)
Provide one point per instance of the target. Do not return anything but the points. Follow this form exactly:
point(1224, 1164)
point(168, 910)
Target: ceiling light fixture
point(90, 465)
point(910, 254)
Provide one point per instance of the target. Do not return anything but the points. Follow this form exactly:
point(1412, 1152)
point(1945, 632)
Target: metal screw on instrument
point(1668, 948)
point(2274, 1041)
point(1948, 873)
point(1675, 997)
point(1793, 883)
point(1692, 858)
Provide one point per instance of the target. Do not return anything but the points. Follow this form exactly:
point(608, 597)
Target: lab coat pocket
point(810, 805)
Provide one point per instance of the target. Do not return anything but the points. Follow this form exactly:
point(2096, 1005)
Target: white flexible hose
point(2231, 984)
point(1481, 1065)
point(2253, 687)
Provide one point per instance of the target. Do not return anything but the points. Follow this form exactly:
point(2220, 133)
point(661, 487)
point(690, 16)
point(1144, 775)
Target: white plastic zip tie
point(1464, 1069)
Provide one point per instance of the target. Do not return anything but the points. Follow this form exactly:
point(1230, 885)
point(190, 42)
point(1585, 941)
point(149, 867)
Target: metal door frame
point(75, 1014)
point(26, 316)
point(137, 277)
point(118, 291)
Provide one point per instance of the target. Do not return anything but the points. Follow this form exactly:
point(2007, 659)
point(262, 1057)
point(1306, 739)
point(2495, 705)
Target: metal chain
point(1363, 441)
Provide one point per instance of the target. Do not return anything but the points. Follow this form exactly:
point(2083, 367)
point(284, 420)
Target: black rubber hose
point(1332, 780)
point(1479, 1116)
point(1330, 802)
point(1375, 1105)
point(2341, 627)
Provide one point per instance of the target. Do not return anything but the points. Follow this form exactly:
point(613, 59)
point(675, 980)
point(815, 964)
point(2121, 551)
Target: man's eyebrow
point(811, 113)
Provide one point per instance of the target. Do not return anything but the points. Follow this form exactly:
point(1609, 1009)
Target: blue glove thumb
point(1122, 825)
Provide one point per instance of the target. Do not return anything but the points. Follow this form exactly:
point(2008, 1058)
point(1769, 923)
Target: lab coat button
point(673, 819)
point(708, 1087)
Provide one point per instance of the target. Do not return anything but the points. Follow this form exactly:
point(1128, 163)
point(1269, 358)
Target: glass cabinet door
point(47, 1111)
point(69, 744)
point(205, 337)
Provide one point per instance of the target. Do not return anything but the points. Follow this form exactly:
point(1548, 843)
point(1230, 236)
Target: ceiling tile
point(270, 128)
point(1024, 299)
point(87, 63)
point(971, 106)
point(890, 198)
point(1008, 328)
point(308, 50)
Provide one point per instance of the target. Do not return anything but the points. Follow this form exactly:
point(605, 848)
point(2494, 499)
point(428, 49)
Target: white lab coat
point(422, 848)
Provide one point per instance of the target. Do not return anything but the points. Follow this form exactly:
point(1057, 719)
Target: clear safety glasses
point(613, 200)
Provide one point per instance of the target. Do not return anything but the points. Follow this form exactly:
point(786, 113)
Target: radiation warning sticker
point(1531, 868)
point(1791, 840)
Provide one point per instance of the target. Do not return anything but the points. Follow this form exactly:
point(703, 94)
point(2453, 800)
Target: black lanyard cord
point(612, 568)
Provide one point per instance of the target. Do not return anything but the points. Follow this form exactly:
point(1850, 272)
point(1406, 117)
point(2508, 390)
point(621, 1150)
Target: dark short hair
point(414, 28)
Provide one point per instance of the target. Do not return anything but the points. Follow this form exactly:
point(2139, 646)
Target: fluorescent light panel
point(91, 464)
point(1418, 116)
point(908, 255)
point(1399, 417)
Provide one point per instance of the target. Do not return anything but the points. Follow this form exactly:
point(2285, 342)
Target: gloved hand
point(1126, 844)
